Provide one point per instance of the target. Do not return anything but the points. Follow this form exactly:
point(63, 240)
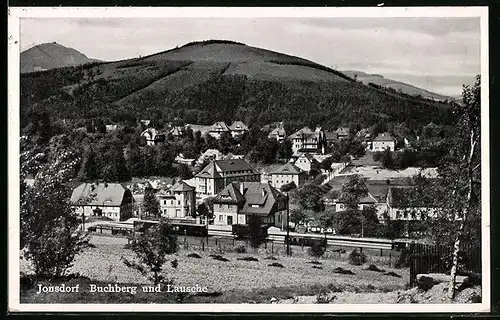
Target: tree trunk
point(465, 211)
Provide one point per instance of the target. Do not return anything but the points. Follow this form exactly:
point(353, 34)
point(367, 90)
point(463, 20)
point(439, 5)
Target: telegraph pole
point(287, 225)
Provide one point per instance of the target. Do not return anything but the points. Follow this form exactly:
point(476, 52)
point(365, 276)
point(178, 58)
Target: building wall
point(410, 213)
point(383, 145)
point(222, 211)
point(182, 205)
point(107, 211)
point(303, 163)
point(211, 186)
point(278, 180)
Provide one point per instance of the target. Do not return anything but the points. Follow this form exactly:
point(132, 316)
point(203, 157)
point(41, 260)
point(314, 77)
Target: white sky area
point(437, 54)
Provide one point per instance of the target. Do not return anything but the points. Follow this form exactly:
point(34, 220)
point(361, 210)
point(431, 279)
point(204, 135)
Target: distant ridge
point(51, 55)
point(380, 80)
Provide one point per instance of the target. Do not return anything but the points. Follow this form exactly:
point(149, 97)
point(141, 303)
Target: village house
point(152, 136)
point(331, 137)
point(203, 129)
point(238, 128)
point(239, 200)
point(110, 200)
point(219, 173)
point(145, 122)
point(286, 174)
point(303, 162)
point(177, 131)
point(218, 129)
point(183, 160)
point(278, 133)
point(178, 201)
point(307, 141)
point(209, 155)
point(384, 141)
point(342, 132)
point(404, 204)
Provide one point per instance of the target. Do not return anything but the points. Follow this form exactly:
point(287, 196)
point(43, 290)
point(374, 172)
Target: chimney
point(264, 192)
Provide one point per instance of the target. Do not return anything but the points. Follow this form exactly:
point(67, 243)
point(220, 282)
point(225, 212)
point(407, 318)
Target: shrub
point(194, 255)
point(241, 249)
point(316, 267)
point(342, 271)
point(276, 264)
point(425, 283)
point(357, 258)
point(315, 262)
point(373, 267)
point(248, 259)
point(317, 249)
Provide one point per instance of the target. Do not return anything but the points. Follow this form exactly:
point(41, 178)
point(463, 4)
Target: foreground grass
point(232, 280)
point(29, 293)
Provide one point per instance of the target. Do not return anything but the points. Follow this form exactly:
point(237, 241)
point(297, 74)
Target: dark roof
point(385, 136)
point(102, 194)
point(288, 168)
point(331, 135)
point(213, 169)
point(257, 198)
point(299, 133)
point(181, 186)
point(233, 165)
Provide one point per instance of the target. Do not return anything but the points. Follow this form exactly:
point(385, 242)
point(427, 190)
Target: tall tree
point(461, 172)
point(90, 170)
point(135, 164)
point(352, 191)
point(48, 224)
point(151, 249)
point(151, 203)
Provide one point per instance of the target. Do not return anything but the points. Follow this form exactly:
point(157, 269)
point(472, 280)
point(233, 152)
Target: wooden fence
point(426, 258)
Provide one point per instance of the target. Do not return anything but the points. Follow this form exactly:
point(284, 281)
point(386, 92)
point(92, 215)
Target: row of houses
point(154, 136)
point(396, 198)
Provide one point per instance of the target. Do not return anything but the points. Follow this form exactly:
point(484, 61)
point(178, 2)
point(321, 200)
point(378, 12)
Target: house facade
point(304, 162)
point(403, 204)
point(218, 129)
point(110, 200)
point(240, 200)
point(238, 128)
point(179, 201)
point(219, 173)
point(278, 133)
point(307, 141)
point(342, 132)
point(384, 141)
point(152, 136)
point(286, 174)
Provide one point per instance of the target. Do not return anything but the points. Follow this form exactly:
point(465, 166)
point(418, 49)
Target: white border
point(14, 14)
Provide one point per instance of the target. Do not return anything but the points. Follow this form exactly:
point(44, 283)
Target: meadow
point(232, 281)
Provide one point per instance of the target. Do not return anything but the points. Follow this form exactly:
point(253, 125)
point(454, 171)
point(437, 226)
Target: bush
point(373, 267)
point(342, 271)
point(317, 249)
point(241, 249)
point(194, 255)
point(357, 258)
point(276, 264)
point(425, 283)
point(241, 231)
point(248, 259)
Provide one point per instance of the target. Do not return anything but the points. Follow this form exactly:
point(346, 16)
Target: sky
point(437, 54)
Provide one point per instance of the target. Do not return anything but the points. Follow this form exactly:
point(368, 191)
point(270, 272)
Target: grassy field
point(233, 281)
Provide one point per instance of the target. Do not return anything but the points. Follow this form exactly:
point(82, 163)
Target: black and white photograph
point(206, 159)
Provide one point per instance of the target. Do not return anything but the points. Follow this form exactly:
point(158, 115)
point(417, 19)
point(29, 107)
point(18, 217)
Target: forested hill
point(52, 55)
point(209, 81)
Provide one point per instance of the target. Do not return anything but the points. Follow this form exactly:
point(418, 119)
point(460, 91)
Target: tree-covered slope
point(209, 81)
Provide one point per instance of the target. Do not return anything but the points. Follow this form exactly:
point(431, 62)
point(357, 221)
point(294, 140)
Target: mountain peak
point(50, 55)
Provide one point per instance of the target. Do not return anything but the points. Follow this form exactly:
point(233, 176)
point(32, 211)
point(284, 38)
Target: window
point(178, 202)
point(279, 217)
point(221, 217)
point(164, 202)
